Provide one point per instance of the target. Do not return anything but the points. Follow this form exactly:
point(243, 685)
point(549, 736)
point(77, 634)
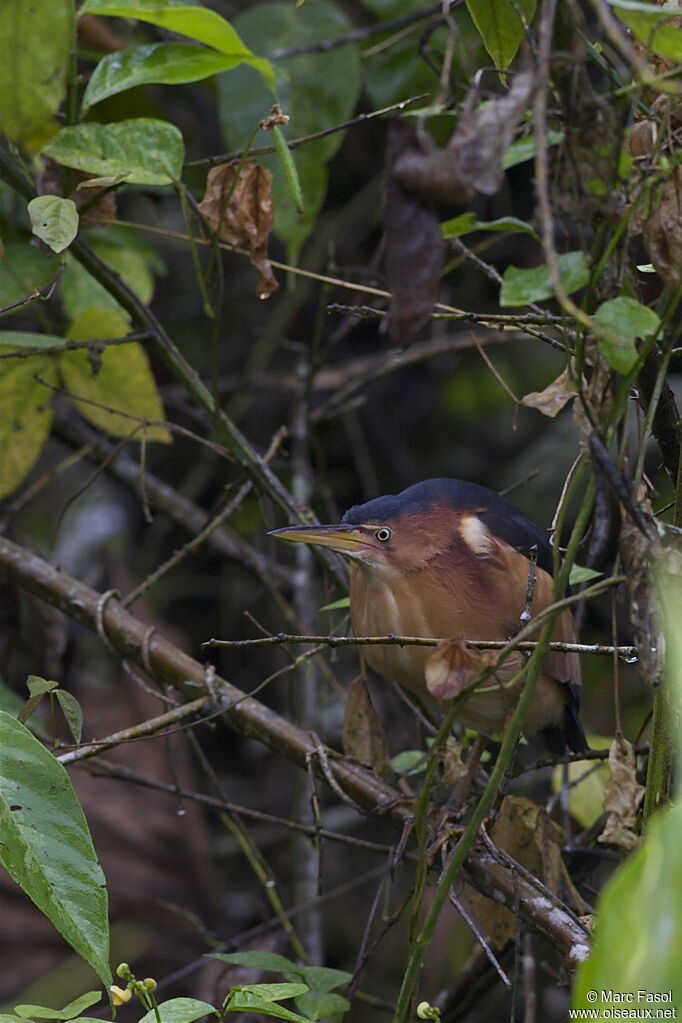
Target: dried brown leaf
point(554, 397)
point(662, 232)
point(482, 135)
point(454, 667)
point(238, 206)
point(364, 738)
point(622, 797)
point(454, 767)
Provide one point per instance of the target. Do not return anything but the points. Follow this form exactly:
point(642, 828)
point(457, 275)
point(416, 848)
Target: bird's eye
point(383, 534)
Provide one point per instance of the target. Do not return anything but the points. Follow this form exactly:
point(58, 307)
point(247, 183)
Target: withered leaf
point(238, 206)
point(662, 232)
point(622, 797)
point(554, 397)
point(414, 244)
point(454, 666)
point(482, 135)
point(363, 734)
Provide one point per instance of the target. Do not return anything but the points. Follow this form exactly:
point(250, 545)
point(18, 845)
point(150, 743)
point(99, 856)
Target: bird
point(448, 558)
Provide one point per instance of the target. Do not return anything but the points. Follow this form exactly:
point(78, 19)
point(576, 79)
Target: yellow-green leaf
point(35, 43)
point(26, 415)
point(123, 383)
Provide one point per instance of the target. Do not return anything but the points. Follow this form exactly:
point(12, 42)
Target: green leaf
point(523, 149)
point(258, 961)
point(316, 90)
point(54, 220)
point(80, 291)
point(644, 21)
point(25, 339)
point(276, 992)
point(154, 63)
point(642, 898)
point(244, 1000)
point(73, 715)
point(587, 781)
point(124, 382)
point(180, 1010)
point(69, 1011)
point(582, 574)
point(23, 269)
point(410, 761)
point(624, 320)
point(466, 223)
point(141, 151)
point(191, 20)
point(38, 686)
point(35, 44)
point(521, 286)
point(324, 978)
point(337, 605)
point(46, 846)
point(26, 413)
point(500, 26)
point(321, 1004)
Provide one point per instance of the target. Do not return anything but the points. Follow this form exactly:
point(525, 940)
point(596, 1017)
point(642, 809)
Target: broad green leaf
point(500, 26)
point(154, 63)
point(35, 44)
point(23, 269)
point(276, 992)
point(73, 715)
point(69, 1011)
point(644, 21)
point(624, 319)
point(410, 761)
point(587, 781)
point(124, 381)
point(521, 286)
point(324, 978)
point(26, 413)
point(39, 686)
point(322, 1004)
point(25, 339)
point(141, 151)
point(46, 846)
point(243, 1000)
point(80, 291)
point(180, 1010)
point(642, 900)
point(466, 223)
point(191, 20)
point(523, 149)
point(582, 574)
point(317, 90)
point(258, 961)
point(54, 220)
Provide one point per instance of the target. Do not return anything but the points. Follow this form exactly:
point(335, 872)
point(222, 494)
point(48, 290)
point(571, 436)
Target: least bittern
point(445, 559)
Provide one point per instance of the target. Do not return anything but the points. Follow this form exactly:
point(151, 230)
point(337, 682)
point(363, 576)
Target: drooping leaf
point(316, 90)
point(35, 44)
point(322, 1004)
point(454, 666)
point(413, 243)
point(54, 220)
point(69, 1012)
point(26, 412)
point(46, 846)
point(553, 398)
point(500, 26)
point(256, 960)
point(73, 715)
point(123, 382)
point(139, 151)
point(325, 978)
point(364, 737)
point(180, 1010)
point(467, 223)
point(244, 1000)
point(154, 63)
point(192, 20)
point(625, 320)
point(237, 205)
point(521, 286)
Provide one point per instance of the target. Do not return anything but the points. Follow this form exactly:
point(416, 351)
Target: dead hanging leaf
point(421, 167)
point(483, 134)
point(526, 832)
point(662, 231)
point(454, 767)
point(554, 397)
point(454, 667)
point(363, 734)
point(413, 241)
point(622, 797)
point(238, 206)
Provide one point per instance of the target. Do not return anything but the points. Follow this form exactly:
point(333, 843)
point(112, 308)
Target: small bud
point(123, 971)
point(149, 984)
point(120, 995)
point(427, 1011)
